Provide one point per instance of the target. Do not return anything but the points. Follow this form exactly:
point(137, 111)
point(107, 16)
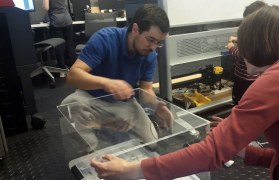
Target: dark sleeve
point(256, 156)
point(235, 53)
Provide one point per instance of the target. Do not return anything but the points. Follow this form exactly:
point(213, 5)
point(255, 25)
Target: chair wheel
point(52, 85)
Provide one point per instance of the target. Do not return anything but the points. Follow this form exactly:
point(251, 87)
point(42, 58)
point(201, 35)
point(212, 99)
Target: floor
point(39, 154)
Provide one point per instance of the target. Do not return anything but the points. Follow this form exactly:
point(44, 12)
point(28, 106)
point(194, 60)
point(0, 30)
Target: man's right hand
point(120, 89)
point(165, 115)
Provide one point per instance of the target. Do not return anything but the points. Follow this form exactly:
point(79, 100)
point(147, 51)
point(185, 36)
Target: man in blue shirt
point(117, 60)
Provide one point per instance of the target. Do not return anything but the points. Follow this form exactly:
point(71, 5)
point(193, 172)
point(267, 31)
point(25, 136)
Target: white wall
point(192, 12)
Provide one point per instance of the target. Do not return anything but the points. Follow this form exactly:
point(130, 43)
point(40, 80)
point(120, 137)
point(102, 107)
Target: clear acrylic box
point(130, 129)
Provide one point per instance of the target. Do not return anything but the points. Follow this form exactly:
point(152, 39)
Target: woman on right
point(256, 113)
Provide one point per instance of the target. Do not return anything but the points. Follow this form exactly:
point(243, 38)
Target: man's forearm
point(84, 80)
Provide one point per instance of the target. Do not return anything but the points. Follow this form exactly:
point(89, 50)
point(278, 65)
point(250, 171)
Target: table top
point(43, 25)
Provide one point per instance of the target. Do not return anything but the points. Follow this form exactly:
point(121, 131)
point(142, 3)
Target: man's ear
point(135, 28)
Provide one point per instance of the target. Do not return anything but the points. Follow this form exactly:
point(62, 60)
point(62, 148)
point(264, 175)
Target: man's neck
point(130, 45)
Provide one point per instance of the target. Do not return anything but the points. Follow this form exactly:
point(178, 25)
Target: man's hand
point(214, 122)
point(116, 168)
point(163, 112)
point(121, 125)
point(120, 89)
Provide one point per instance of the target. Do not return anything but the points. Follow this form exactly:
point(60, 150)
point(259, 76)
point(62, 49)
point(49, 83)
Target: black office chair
point(95, 22)
point(47, 49)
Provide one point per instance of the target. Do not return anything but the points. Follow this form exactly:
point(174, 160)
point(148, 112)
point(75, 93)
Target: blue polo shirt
point(107, 54)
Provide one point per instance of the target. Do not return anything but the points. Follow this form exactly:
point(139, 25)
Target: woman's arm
point(46, 5)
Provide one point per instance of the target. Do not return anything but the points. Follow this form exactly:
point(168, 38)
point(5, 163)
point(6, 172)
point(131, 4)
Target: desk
point(40, 25)
point(118, 19)
point(44, 25)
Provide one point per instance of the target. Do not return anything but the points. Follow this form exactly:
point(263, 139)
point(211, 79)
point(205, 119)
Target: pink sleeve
point(246, 122)
point(204, 156)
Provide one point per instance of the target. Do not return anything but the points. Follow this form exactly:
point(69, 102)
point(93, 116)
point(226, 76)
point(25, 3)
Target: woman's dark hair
point(253, 7)
point(258, 36)
point(149, 15)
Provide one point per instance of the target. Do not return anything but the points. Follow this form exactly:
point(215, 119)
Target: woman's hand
point(116, 168)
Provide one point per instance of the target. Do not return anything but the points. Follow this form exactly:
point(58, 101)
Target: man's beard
point(142, 53)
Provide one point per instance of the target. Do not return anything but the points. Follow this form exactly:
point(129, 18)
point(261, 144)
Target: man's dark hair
point(253, 7)
point(258, 36)
point(150, 15)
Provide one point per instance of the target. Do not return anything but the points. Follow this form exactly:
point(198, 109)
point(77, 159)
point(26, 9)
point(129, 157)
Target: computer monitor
point(27, 5)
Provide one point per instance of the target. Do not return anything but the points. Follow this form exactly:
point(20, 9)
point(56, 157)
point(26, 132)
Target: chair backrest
point(95, 22)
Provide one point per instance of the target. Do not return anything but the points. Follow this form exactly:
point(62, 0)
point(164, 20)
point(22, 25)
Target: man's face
point(148, 41)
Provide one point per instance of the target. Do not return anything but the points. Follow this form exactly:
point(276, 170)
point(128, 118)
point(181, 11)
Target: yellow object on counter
point(197, 98)
point(218, 70)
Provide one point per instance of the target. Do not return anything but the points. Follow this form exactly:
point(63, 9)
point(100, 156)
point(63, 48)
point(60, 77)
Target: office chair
point(47, 48)
point(95, 22)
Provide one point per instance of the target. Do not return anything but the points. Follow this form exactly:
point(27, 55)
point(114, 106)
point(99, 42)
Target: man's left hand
point(163, 112)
